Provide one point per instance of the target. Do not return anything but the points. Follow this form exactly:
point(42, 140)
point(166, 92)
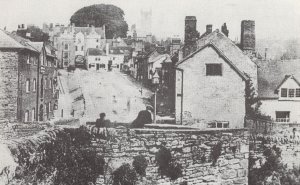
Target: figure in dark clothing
point(100, 123)
point(144, 117)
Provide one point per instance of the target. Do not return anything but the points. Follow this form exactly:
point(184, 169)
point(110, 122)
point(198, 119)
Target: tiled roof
point(230, 51)
point(271, 74)
point(94, 52)
point(8, 42)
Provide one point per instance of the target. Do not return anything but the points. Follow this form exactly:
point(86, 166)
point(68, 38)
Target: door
point(97, 66)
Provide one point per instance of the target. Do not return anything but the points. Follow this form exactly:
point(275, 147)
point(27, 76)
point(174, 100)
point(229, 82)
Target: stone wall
point(8, 84)
point(192, 149)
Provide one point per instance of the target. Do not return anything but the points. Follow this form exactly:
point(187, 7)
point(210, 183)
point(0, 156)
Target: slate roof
point(227, 48)
point(272, 73)
point(94, 52)
point(8, 42)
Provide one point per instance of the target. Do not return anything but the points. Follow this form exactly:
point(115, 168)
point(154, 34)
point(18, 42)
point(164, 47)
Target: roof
point(8, 42)
point(24, 42)
point(271, 74)
point(88, 30)
point(224, 46)
point(94, 52)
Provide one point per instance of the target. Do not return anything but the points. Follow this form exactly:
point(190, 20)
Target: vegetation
point(216, 153)
point(140, 164)
point(37, 34)
point(272, 171)
point(167, 165)
point(252, 103)
point(101, 14)
point(124, 175)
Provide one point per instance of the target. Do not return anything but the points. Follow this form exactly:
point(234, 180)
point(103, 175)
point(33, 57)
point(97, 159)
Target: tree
point(37, 35)
point(101, 14)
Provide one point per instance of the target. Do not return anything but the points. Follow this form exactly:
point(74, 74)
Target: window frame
point(33, 114)
point(297, 93)
point(34, 85)
point(285, 91)
point(26, 116)
point(210, 69)
point(27, 85)
point(291, 93)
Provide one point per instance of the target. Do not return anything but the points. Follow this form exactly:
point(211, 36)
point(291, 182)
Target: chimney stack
point(190, 31)
point(248, 35)
point(224, 30)
point(209, 28)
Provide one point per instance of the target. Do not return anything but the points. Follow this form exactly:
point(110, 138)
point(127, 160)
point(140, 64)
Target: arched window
point(26, 118)
point(27, 85)
point(34, 85)
point(33, 114)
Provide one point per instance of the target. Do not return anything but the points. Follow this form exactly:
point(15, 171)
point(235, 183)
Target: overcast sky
point(274, 18)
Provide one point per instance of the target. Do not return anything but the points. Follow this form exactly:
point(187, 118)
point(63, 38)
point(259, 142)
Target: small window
point(66, 55)
point(45, 83)
point(283, 92)
point(283, 116)
point(33, 114)
point(50, 83)
point(291, 92)
point(81, 48)
point(27, 85)
point(297, 92)
point(34, 85)
point(66, 46)
point(26, 117)
point(213, 69)
point(76, 48)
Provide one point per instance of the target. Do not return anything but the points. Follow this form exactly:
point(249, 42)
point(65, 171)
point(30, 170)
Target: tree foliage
point(101, 14)
point(37, 34)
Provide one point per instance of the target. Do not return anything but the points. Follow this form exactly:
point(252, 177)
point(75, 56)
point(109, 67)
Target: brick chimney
point(209, 28)
point(248, 35)
point(190, 31)
point(224, 30)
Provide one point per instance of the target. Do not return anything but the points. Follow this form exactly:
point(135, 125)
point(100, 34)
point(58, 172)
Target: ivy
point(140, 164)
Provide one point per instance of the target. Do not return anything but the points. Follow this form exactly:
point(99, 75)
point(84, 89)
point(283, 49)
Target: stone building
point(210, 83)
point(279, 90)
point(23, 64)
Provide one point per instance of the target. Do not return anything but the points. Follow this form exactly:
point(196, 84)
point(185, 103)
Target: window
point(283, 116)
point(81, 48)
point(50, 83)
point(297, 92)
point(66, 55)
point(27, 85)
point(291, 92)
point(66, 46)
point(33, 114)
point(26, 117)
point(218, 124)
point(283, 92)
point(34, 85)
point(28, 60)
point(213, 69)
point(45, 83)
point(76, 48)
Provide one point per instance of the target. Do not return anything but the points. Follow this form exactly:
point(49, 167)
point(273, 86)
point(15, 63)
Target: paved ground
point(114, 93)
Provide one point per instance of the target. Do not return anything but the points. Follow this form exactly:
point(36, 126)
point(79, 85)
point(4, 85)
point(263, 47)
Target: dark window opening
point(282, 116)
point(213, 69)
point(283, 92)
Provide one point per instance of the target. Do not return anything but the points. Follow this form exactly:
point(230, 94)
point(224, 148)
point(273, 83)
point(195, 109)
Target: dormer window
point(284, 92)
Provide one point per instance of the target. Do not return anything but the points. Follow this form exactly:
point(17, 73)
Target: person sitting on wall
point(144, 117)
point(100, 124)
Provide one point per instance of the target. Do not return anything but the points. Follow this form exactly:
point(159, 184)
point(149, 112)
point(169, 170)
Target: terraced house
point(22, 64)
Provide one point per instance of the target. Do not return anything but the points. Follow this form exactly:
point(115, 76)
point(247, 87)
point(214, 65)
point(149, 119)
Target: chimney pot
point(209, 28)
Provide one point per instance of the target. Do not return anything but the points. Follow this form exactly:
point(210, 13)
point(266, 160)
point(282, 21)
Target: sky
point(274, 19)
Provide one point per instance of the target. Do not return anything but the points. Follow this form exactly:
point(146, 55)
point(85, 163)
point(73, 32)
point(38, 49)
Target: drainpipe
point(181, 94)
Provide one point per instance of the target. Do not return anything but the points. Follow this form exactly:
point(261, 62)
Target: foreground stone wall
point(192, 149)
point(188, 148)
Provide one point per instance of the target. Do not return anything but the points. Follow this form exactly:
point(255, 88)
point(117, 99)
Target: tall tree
point(101, 14)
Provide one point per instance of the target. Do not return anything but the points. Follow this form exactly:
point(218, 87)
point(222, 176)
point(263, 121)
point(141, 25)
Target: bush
point(216, 153)
point(167, 165)
point(124, 175)
point(140, 164)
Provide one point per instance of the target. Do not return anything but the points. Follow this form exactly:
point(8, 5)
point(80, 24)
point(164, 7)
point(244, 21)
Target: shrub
point(124, 175)
point(140, 164)
point(216, 152)
point(167, 165)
